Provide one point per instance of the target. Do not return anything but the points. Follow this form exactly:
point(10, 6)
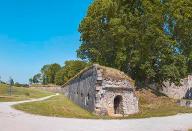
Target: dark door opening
point(118, 105)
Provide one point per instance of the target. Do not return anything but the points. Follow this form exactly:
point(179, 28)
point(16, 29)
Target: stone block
point(99, 78)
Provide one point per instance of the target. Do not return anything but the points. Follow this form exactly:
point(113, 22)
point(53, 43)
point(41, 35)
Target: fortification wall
point(81, 89)
point(174, 91)
point(179, 92)
point(108, 90)
point(95, 92)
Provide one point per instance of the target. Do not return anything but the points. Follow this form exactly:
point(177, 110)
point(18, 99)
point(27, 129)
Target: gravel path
point(14, 120)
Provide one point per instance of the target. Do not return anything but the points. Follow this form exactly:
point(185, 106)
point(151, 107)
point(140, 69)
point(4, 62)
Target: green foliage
point(180, 12)
point(149, 40)
point(36, 78)
point(30, 80)
point(49, 73)
point(55, 74)
point(59, 78)
point(70, 69)
point(44, 72)
point(17, 84)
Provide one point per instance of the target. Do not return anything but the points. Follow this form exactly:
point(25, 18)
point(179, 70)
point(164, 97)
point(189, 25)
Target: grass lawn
point(20, 93)
point(151, 105)
point(58, 106)
point(156, 105)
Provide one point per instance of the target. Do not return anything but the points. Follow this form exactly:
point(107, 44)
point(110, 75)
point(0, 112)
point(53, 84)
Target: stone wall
point(179, 92)
point(95, 92)
point(186, 103)
point(109, 89)
point(174, 91)
point(81, 90)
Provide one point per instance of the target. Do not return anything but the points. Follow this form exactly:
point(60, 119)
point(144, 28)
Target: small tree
point(37, 78)
point(30, 81)
point(11, 83)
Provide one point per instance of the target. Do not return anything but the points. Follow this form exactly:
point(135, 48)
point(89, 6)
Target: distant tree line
point(17, 84)
point(11, 82)
point(57, 74)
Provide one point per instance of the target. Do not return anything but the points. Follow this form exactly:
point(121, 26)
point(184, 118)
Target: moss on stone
point(107, 72)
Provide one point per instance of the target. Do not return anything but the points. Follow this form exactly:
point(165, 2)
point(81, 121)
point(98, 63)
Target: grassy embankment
point(150, 104)
point(58, 106)
point(20, 93)
point(156, 105)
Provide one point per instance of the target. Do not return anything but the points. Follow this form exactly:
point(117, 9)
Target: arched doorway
point(118, 105)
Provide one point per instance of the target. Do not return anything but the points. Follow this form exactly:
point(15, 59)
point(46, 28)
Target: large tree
point(180, 24)
point(148, 39)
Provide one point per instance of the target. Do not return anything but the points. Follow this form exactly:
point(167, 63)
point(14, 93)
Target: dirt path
point(14, 120)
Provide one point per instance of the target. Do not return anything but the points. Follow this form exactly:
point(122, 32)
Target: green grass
point(58, 106)
point(151, 105)
point(20, 93)
point(157, 105)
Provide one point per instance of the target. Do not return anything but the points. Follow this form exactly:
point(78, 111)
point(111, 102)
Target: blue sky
point(38, 32)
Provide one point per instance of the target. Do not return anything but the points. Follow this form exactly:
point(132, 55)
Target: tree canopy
point(70, 69)
point(151, 40)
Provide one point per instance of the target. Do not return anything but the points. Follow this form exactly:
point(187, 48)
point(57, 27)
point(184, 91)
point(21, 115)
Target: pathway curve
point(14, 120)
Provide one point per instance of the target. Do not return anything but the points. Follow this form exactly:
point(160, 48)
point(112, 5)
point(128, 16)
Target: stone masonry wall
point(179, 92)
point(96, 93)
point(109, 90)
point(81, 90)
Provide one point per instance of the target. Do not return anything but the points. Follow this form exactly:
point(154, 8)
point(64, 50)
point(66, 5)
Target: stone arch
point(118, 104)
